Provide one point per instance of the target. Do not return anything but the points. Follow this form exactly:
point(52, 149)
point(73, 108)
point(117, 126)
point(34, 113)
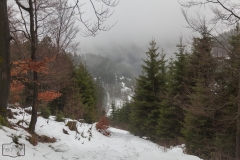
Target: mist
point(137, 22)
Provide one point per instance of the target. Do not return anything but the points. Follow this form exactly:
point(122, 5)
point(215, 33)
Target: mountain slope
point(88, 144)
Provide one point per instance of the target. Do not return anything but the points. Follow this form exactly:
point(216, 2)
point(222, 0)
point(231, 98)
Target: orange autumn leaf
point(21, 67)
point(16, 87)
point(48, 96)
point(103, 125)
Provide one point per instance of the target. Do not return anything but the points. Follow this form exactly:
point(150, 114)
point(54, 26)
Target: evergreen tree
point(228, 81)
point(171, 112)
point(85, 83)
point(149, 86)
point(121, 116)
point(100, 94)
point(79, 98)
point(113, 110)
point(198, 124)
point(235, 66)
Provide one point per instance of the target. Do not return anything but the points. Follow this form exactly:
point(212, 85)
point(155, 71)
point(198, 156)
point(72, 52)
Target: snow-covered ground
point(88, 144)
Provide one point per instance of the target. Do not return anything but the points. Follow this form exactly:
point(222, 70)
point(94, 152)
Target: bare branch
point(101, 15)
point(22, 6)
point(224, 11)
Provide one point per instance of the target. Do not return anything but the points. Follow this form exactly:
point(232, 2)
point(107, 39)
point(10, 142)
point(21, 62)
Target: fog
point(137, 23)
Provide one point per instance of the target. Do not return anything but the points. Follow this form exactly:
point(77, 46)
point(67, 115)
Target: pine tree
point(228, 81)
point(121, 116)
point(149, 86)
point(85, 83)
point(235, 65)
point(171, 112)
point(198, 124)
point(113, 111)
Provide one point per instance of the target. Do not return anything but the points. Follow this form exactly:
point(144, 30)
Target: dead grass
point(35, 138)
point(72, 125)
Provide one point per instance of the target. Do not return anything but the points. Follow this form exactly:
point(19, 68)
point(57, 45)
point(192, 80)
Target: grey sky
point(138, 21)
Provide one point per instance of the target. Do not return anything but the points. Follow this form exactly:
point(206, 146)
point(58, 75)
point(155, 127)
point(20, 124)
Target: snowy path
point(121, 145)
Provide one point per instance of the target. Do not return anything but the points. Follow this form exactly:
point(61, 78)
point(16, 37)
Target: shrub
point(45, 112)
point(15, 138)
point(103, 125)
point(59, 117)
point(3, 121)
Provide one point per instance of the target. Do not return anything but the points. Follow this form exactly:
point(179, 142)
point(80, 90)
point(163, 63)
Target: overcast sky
point(138, 21)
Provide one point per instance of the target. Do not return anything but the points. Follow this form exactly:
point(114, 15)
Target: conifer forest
point(188, 96)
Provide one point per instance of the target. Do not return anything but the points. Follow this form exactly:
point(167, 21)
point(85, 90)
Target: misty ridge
point(123, 60)
point(117, 60)
point(105, 68)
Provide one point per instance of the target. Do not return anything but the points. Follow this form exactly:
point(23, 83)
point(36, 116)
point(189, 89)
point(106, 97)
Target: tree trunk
point(238, 122)
point(35, 104)
point(35, 74)
point(4, 58)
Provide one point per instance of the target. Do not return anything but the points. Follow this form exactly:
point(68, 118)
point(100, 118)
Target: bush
point(15, 138)
point(3, 121)
point(103, 125)
point(59, 117)
point(45, 112)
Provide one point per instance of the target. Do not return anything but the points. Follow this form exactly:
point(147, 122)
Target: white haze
point(138, 22)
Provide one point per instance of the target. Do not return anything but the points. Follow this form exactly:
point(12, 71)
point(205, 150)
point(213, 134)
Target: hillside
point(87, 144)
point(117, 78)
point(105, 68)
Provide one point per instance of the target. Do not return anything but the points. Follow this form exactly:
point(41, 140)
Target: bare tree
point(225, 11)
point(4, 58)
point(41, 18)
point(33, 15)
point(63, 28)
point(101, 11)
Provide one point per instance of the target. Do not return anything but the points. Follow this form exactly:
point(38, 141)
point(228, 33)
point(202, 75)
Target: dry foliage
point(22, 67)
point(34, 139)
point(48, 96)
point(45, 139)
point(103, 125)
point(16, 88)
point(72, 125)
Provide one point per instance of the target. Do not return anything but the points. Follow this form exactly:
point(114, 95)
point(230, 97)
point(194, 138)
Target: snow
point(88, 144)
point(121, 78)
point(125, 88)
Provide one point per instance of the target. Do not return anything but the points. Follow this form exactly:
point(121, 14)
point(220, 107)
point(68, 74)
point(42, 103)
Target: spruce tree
point(198, 124)
point(85, 82)
point(149, 86)
point(120, 117)
point(235, 66)
point(171, 112)
point(113, 110)
point(228, 82)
